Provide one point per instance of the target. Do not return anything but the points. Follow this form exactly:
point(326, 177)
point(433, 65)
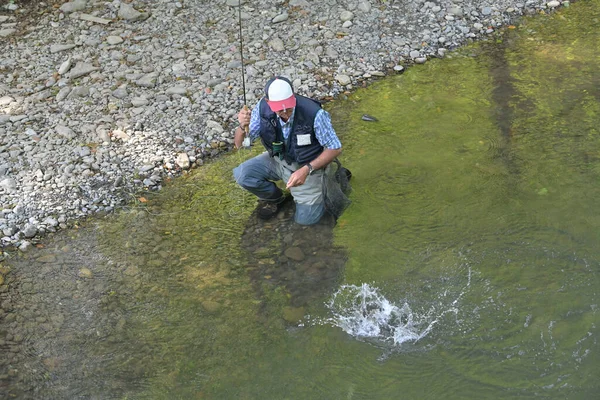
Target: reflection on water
point(474, 222)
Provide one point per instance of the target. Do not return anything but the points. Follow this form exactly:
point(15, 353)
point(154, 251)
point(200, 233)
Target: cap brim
point(286, 104)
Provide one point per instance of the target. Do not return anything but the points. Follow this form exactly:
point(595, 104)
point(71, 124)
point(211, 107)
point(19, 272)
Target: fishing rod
point(242, 49)
point(246, 142)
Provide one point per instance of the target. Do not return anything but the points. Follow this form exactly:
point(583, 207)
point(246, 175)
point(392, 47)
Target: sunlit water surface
point(466, 267)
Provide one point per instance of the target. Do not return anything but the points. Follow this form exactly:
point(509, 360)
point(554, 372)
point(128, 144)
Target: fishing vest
point(301, 145)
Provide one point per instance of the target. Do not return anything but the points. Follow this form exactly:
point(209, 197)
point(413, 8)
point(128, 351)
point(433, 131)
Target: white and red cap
point(280, 94)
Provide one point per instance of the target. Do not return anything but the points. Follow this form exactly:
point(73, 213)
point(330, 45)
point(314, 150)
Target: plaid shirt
point(323, 128)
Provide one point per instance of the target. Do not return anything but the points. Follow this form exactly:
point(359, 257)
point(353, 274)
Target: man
point(300, 143)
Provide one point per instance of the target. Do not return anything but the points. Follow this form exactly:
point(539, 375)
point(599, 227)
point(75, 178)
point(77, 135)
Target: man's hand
point(244, 117)
point(298, 177)
point(241, 131)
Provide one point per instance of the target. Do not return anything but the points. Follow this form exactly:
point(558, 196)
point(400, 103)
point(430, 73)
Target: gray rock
point(280, 18)
point(65, 67)
point(10, 230)
point(120, 93)
point(364, 6)
point(81, 69)
point(57, 48)
point(343, 79)
point(7, 32)
point(183, 161)
point(72, 6)
point(112, 40)
point(63, 93)
point(346, 16)
point(6, 100)
point(148, 80)
point(277, 44)
point(180, 90)
point(25, 246)
point(8, 184)
point(30, 231)
point(127, 12)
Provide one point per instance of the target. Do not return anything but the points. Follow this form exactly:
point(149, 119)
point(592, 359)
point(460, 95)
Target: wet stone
point(211, 306)
point(85, 273)
point(293, 314)
point(294, 253)
point(48, 258)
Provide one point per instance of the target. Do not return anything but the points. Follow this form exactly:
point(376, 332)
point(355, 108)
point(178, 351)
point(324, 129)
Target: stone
point(211, 306)
point(343, 79)
point(364, 6)
point(294, 253)
point(183, 161)
point(280, 18)
point(81, 69)
point(25, 246)
point(293, 315)
point(85, 273)
point(30, 231)
point(148, 80)
point(65, 132)
point(57, 48)
point(112, 40)
point(127, 12)
point(346, 16)
point(8, 184)
point(7, 32)
point(72, 6)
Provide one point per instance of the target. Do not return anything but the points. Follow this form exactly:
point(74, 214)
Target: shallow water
point(466, 267)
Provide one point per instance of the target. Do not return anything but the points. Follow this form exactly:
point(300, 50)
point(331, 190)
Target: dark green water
point(474, 204)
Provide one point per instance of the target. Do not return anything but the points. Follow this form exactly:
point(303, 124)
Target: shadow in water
point(300, 259)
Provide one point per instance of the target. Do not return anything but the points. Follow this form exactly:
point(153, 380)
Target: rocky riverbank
point(102, 99)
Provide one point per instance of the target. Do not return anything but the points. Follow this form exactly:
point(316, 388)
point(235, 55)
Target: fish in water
point(369, 118)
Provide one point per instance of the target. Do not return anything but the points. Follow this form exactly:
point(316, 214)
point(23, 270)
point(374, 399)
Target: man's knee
point(237, 174)
point(241, 176)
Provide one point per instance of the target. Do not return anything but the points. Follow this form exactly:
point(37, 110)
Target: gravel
point(102, 99)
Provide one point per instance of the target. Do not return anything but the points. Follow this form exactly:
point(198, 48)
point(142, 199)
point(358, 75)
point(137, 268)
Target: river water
point(467, 265)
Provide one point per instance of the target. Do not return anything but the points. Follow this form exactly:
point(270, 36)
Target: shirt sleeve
point(324, 131)
point(254, 127)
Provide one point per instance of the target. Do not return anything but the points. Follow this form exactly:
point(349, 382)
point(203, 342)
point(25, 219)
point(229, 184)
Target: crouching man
point(300, 143)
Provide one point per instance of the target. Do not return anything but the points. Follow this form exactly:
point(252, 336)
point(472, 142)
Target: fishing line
point(242, 48)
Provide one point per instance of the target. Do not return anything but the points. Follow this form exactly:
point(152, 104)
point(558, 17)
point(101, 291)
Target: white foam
point(363, 312)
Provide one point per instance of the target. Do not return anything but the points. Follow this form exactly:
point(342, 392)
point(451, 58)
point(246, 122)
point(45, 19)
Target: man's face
point(285, 114)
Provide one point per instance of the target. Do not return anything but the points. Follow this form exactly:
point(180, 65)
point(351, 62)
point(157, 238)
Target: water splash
point(363, 312)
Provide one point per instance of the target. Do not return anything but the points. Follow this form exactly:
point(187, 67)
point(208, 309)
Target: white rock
point(65, 131)
point(280, 18)
point(81, 69)
point(6, 100)
point(65, 67)
point(346, 16)
point(343, 79)
point(112, 40)
point(72, 6)
point(7, 32)
point(364, 6)
point(183, 161)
